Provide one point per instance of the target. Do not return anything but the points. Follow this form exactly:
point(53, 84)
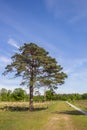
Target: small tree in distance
point(35, 66)
point(19, 94)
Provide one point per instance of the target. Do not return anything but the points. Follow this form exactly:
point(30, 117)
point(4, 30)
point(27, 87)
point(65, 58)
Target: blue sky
point(57, 25)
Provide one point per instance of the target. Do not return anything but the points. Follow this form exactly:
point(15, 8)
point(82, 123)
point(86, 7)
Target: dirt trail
point(59, 122)
point(62, 118)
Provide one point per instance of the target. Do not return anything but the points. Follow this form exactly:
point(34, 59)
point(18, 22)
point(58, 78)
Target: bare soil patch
point(59, 122)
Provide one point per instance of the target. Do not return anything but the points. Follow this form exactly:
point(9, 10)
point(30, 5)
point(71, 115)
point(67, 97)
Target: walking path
point(78, 109)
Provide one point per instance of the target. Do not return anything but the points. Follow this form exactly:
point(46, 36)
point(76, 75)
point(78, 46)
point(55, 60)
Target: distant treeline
point(21, 95)
point(17, 95)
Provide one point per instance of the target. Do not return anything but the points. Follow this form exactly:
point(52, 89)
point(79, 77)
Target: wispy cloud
point(50, 3)
point(4, 59)
point(74, 66)
point(78, 16)
point(71, 11)
point(9, 83)
point(13, 43)
point(77, 76)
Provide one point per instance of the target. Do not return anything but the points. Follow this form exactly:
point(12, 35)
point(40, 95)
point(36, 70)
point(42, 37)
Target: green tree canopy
point(19, 94)
point(3, 94)
point(49, 95)
point(35, 66)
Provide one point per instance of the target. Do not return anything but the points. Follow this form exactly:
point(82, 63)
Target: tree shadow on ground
point(74, 112)
point(19, 108)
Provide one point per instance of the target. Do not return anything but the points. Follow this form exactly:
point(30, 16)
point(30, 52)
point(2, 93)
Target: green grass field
point(47, 116)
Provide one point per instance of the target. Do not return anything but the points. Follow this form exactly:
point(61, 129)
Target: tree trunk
point(31, 107)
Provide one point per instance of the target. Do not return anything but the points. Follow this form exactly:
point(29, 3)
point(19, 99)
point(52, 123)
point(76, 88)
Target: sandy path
point(59, 122)
point(76, 108)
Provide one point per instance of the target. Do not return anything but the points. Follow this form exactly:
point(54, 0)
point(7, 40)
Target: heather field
point(82, 104)
point(46, 116)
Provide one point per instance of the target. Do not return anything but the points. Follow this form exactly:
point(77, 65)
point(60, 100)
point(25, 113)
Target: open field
point(47, 116)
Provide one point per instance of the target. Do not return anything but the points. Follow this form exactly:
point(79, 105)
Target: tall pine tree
point(35, 66)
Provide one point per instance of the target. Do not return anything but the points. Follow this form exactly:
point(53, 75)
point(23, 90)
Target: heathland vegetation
point(53, 115)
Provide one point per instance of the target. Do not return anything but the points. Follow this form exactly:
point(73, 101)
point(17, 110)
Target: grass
point(50, 116)
point(81, 104)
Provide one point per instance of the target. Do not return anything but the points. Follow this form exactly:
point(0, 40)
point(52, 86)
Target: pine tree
point(35, 66)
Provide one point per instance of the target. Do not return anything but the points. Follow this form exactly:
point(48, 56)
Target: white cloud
point(13, 43)
point(9, 83)
point(12, 87)
point(75, 83)
point(4, 59)
point(3, 62)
